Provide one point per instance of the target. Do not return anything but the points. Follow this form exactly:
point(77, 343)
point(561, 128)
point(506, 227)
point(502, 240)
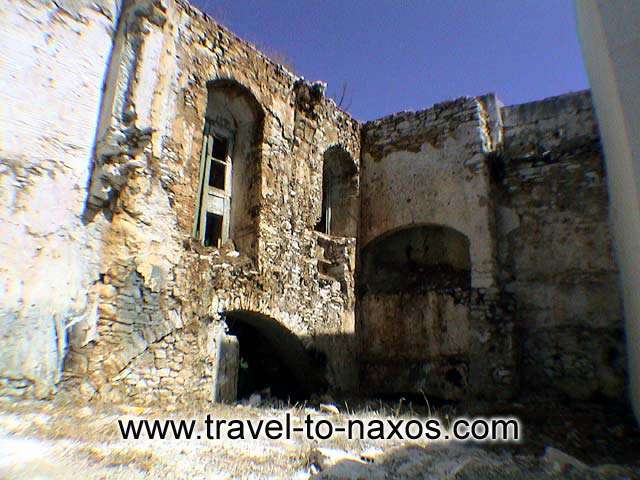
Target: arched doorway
point(414, 288)
point(272, 359)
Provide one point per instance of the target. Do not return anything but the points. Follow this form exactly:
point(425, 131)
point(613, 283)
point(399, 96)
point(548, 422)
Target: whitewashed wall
point(53, 59)
point(611, 44)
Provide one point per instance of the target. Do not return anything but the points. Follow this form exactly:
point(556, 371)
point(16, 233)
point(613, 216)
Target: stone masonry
point(459, 250)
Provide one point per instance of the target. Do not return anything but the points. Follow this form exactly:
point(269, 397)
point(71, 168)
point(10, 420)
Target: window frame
point(324, 224)
point(211, 199)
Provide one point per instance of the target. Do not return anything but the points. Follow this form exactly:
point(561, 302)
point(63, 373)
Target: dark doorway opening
point(272, 359)
point(261, 367)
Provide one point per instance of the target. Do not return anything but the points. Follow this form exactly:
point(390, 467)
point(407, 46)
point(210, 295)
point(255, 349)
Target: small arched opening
point(229, 167)
point(273, 359)
point(414, 287)
point(339, 215)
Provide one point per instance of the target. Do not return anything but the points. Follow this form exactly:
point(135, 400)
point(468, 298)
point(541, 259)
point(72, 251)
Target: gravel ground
point(60, 440)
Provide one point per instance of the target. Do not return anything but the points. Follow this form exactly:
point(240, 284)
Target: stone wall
point(555, 248)
point(54, 59)
point(525, 185)
point(479, 232)
point(425, 173)
point(157, 282)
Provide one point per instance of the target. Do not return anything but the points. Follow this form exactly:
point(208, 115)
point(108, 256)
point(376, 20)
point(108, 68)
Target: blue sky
point(409, 54)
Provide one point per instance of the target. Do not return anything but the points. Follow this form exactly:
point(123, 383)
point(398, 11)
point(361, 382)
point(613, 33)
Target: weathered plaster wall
point(158, 284)
point(526, 186)
point(431, 168)
point(555, 248)
point(53, 60)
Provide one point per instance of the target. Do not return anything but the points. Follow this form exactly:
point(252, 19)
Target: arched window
point(339, 214)
point(228, 166)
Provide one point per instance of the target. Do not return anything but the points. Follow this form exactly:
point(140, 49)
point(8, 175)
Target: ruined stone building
point(180, 214)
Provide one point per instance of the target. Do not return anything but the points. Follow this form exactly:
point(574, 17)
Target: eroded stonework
point(463, 249)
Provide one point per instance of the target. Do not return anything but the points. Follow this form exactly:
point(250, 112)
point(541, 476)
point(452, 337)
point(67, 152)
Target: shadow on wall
point(414, 292)
point(416, 257)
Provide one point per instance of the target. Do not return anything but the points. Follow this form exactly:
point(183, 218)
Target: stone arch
point(234, 115)
point(414, 288)
point(339, 210)
point(417, 256)
point(273, 357)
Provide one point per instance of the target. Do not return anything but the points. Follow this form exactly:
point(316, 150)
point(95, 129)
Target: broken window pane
point(220, 147)
point(213, 230)
point(217, 174)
